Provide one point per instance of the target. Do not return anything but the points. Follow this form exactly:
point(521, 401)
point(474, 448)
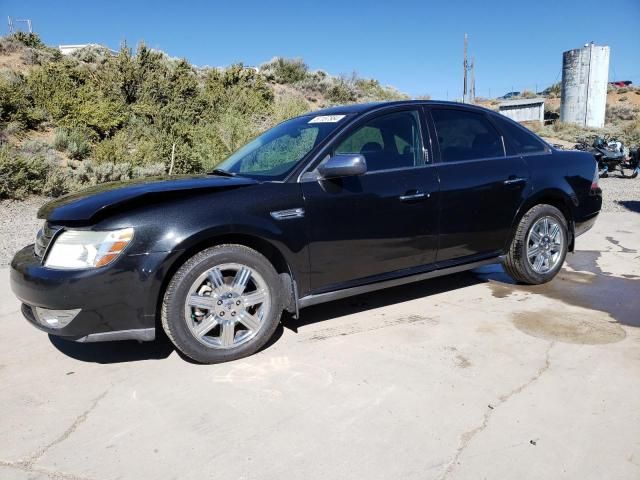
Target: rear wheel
point(224, 303)
point(539, 246)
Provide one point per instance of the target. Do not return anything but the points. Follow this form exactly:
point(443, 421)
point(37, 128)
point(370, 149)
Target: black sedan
point(326, 205)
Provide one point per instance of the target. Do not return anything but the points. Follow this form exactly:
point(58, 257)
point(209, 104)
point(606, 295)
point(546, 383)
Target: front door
point(383, 221)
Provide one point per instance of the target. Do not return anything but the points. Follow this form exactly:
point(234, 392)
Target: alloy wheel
point(544, 244)
point(226, 306)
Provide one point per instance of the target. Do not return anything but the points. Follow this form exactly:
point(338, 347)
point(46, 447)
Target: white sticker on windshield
point(327, 119)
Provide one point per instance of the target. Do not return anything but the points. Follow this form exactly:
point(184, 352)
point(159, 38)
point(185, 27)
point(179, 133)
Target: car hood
point(87, 205)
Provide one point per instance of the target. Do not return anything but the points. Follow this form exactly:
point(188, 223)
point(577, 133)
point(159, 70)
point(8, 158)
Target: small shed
point(523, 110)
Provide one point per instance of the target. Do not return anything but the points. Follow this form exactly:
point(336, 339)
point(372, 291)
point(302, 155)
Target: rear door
point(481, 187)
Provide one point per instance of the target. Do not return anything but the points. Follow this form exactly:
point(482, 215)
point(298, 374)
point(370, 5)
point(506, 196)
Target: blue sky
point(414, 45)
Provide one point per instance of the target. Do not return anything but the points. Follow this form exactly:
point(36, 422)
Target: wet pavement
point(463, 377)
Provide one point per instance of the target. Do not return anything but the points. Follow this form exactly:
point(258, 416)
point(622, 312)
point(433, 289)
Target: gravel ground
point(18, 225)
point(620, 194)
point(18, 222)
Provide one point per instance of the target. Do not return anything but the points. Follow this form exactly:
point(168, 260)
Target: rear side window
point(465, 135)
point(519, 140)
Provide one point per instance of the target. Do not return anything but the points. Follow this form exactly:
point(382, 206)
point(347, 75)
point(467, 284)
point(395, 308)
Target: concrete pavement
point(461, 377)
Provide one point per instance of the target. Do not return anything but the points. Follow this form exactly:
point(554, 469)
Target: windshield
point(276, 152)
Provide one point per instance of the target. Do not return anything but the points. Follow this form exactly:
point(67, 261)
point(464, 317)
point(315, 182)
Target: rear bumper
point(585, 225)
point(116, 302)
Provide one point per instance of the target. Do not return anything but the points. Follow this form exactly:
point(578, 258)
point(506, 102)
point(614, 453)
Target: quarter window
point(387, 142)
point(520, 140)
point(465, 135)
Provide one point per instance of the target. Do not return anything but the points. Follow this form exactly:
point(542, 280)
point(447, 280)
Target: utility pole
point(472, 93)
point(465, 67)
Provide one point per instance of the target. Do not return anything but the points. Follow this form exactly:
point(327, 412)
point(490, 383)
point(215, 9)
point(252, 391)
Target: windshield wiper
point(224, 173)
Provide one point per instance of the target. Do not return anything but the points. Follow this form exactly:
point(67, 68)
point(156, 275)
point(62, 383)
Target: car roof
point(360, 108)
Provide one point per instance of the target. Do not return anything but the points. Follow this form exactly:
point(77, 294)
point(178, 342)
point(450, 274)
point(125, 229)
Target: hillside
point(67, 122)
point(71, 121)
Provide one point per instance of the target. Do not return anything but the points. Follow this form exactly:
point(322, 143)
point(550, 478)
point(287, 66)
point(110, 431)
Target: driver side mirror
point(343, 165)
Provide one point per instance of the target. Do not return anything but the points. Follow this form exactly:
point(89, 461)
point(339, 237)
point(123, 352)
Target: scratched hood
point(86, 205)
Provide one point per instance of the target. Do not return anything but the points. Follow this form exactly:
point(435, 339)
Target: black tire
point(633, 174)
point(517, 264)
point(173, 305)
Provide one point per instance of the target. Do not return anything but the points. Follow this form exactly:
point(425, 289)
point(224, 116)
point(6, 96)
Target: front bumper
point(116, 302)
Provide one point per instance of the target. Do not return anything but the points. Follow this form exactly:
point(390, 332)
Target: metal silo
point(585, 74)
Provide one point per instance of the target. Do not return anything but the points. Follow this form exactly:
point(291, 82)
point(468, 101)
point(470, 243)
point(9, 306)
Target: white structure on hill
point(585, 74)
point(69, 49)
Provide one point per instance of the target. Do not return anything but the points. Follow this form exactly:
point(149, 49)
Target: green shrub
point(631, 133)
point(76, 142)
point(88, 173)
point(555, 90)
point(342, 91)
point(151, 170)
point(616, 113)
point(28, 39)
point(286, 107)
point(57, 183)
point(284, 70)
point(40, 148)
point(317, 81)
point(16, 101)
point(371, 90)
point(61, 139)
point(78, 147)
point(92, 54)
point(20, 175)
point(116, 149)
point(13, 128)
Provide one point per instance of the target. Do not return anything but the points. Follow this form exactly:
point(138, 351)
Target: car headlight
point(87, 249)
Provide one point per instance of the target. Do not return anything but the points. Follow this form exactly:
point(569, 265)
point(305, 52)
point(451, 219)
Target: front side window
point(520, 141)
point(464, 135)
point(386, 142)
point(276, 152)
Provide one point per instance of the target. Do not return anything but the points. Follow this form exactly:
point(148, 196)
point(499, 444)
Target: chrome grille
point(43, 238)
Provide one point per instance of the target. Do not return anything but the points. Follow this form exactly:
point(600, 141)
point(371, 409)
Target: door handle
point(409, 197)
point(513, 180)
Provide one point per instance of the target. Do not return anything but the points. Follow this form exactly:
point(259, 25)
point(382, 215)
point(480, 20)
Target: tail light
point(595, 187)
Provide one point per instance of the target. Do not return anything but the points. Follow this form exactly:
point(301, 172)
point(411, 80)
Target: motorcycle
point(633, 163)
point(611, 157)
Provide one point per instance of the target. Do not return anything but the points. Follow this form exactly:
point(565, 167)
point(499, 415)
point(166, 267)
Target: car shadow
point(130, 350)
point(381, 298)
point(161, 347)
point(633, 205)
point(114, 352)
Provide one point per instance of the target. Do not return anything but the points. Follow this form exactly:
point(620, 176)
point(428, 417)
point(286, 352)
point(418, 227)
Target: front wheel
point(224, 303)
point(633, 174)
point(539, 246)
